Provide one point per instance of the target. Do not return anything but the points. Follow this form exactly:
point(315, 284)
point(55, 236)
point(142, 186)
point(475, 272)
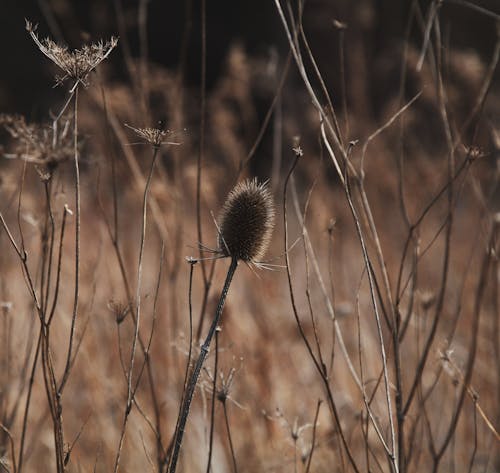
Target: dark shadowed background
point(376, 27)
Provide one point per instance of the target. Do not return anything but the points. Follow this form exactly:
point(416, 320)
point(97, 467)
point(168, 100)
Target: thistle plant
point(245, 226)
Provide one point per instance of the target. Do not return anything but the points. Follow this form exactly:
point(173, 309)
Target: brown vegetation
point(366, 339)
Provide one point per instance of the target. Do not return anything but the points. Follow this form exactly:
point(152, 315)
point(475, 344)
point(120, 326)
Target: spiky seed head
point(246, 221)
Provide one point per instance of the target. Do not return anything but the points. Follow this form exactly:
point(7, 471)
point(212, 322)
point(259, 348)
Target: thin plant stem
point(59, 266)
point(28, 403)
point(48, 249)
point(331, 311)
point(371, 279)
point(197, 369)
point(191, 262)
point(201, 150)
point(6, 431)
point(343, 86)
point(474, 449)
point(130, 391)
point(229, 437)
point(206, 292)
point(133, 164)
point(319, 368)
point(142, 15)
point(207, 278)
point(269, 114)
point(313, 440)
point(212, 407)
point(77, 244)
point(481, 288)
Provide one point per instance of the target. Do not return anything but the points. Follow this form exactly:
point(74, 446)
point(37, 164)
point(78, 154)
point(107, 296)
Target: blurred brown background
point(154, 74)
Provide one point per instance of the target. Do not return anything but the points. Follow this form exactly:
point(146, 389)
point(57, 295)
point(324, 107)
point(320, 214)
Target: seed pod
point(246, 221)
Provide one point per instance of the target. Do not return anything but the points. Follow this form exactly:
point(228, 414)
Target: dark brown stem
point(197, 369)
point(212, 407)
point(313, 440)
point(226, 418)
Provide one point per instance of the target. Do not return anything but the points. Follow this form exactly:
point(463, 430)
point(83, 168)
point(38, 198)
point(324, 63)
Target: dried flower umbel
point(154, 136)
point(76, 64)
point(36, 143)
point(246, 222)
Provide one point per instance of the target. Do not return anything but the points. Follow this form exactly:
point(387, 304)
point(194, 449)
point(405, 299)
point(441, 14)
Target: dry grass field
point(366, 339)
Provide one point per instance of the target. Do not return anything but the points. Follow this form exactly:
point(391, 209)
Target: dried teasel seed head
point(246, 221)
